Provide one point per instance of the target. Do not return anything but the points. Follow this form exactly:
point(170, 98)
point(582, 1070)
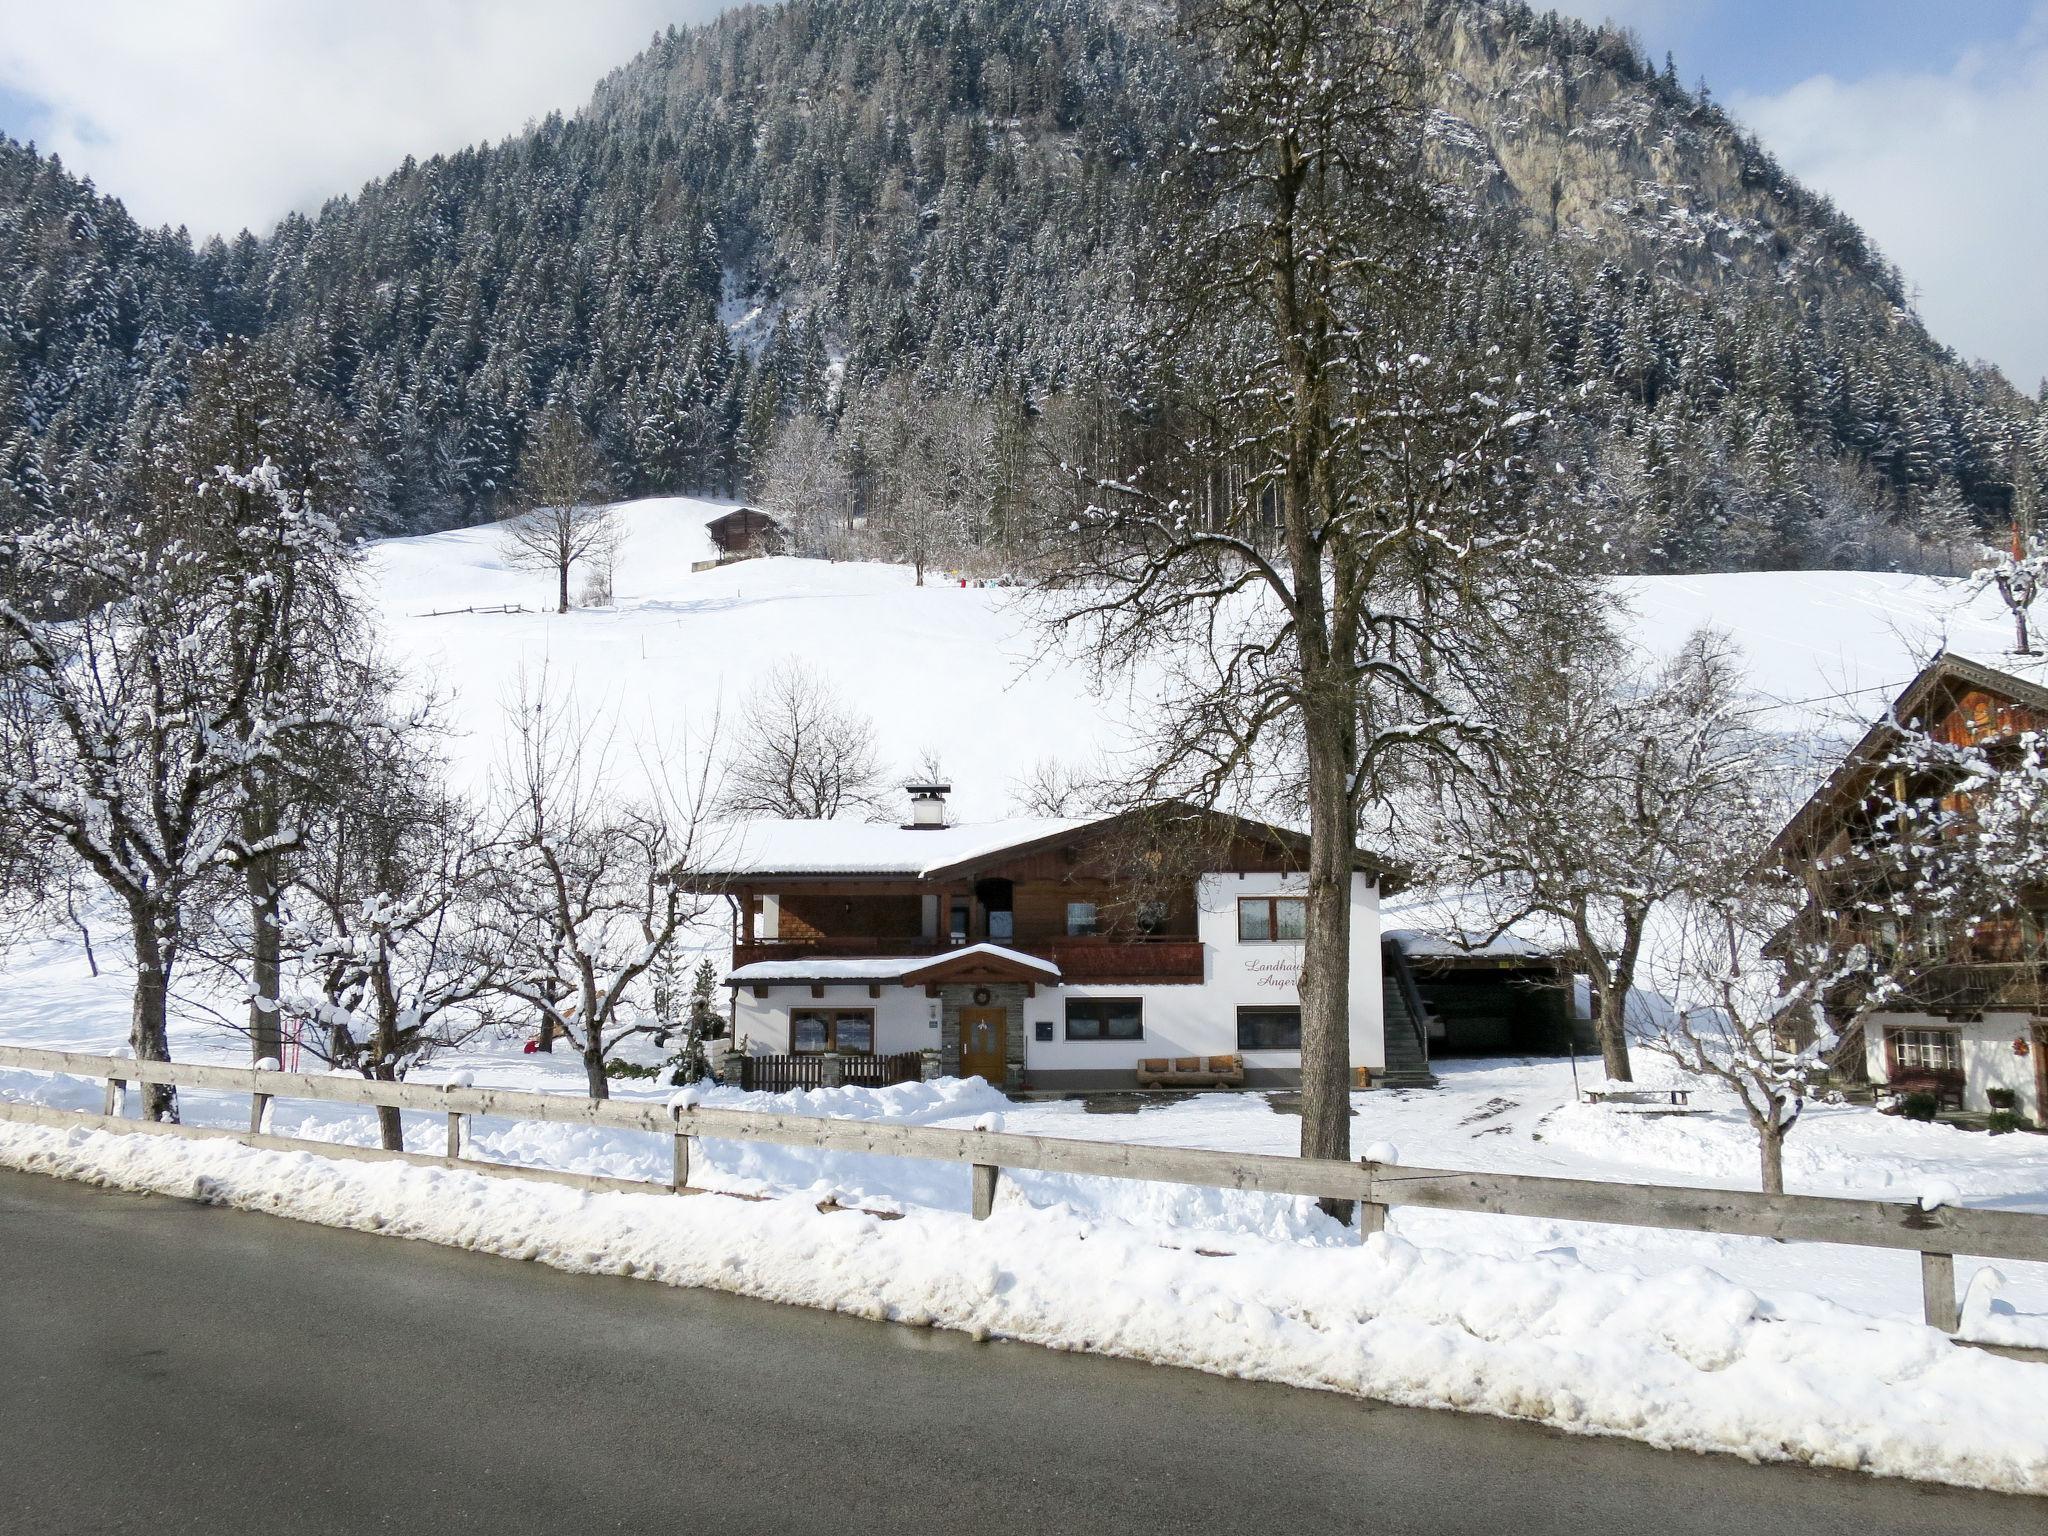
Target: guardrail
point(1937, 1235)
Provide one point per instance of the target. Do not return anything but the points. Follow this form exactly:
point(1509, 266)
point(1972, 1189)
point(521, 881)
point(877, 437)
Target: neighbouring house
point(1975, 1020)
point(1043, 954)
point(745, 532)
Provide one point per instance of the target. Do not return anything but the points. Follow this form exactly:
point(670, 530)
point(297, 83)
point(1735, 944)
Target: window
point(850, 1031)
point(1269, 1029)
point(1926, 1050)
point(1105, 1018)
point(1153, 917)
point(1272, 919)
point(1002, 926)
point(959, 923)
point(1082, 920)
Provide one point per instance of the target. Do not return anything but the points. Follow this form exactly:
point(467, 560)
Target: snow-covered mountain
point(797, 211)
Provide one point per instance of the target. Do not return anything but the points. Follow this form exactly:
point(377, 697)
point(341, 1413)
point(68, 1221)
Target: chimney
point(927, 805)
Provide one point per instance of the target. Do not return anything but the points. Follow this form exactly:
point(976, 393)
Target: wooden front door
point(2041, 1074)
point(984, 1044)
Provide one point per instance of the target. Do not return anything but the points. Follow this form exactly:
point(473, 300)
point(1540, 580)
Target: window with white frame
point(1926, 1050)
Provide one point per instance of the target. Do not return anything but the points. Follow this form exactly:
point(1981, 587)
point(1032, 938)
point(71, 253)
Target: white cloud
point(1948, 172)
point(220, 114)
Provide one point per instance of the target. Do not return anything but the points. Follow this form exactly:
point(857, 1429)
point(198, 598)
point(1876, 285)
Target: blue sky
point(1760, 46)
point(1925, 119)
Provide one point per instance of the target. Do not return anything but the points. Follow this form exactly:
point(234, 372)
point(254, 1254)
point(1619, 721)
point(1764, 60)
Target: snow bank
point(1685, 1360)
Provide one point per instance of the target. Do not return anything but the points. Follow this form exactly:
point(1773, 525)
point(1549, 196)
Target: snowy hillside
point(959, 671)
point(941, 668)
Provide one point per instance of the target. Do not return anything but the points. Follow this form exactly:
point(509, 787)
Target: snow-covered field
point(1762, 1348)
point(955, 669)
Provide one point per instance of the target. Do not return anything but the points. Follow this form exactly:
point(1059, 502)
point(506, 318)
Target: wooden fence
point(784, 1074)
point(1936, 1235)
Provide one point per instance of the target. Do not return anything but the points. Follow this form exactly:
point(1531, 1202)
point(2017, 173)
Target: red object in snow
point(533, 1047)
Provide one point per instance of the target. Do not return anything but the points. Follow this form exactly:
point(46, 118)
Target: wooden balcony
point(1161, 960)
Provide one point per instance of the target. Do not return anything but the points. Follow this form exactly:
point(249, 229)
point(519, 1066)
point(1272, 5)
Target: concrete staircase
point(1405, 1024)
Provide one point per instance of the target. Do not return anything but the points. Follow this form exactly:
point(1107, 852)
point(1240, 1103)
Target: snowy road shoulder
point(1685, 1360)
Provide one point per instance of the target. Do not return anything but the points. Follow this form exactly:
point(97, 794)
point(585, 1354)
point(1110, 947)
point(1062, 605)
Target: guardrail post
point(679, 1180)
point(1938, 1292)
point(454, 1134)
point(984, 1191)
point(117, 1096)
point(258, 1103)
point(1372, 1215)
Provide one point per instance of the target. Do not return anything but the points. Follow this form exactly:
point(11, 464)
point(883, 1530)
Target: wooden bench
point(1945, 1088)
point(1680, 1097)
point(1191, 1072)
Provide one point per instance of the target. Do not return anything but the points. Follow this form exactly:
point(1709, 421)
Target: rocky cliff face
point(1599, 152)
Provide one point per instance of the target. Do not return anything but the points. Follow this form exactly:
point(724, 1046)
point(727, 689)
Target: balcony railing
point(1160, 960)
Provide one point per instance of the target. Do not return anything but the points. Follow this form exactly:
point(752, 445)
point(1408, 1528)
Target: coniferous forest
point(782, 251)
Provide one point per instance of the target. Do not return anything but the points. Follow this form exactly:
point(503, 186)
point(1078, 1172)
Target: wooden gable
point(1955, 701)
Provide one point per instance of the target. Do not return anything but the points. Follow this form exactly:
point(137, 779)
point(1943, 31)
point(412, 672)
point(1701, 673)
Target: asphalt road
point(169, 1367)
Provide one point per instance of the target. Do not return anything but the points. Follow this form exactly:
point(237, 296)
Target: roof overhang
point(976, 962)
point(983, 962)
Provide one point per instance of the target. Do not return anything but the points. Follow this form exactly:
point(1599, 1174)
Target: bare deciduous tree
point(587, 890)
point(389, 926)
point(1611, 788)
point(1054, 789)
point(806, 486)
point(561, 515)
point(802, 753)
point(147, 685)
point(1318, 517)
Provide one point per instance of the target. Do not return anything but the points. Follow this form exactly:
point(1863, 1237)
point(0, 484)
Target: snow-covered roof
point(882, 967)
point(755, 848)
point(1418, 944)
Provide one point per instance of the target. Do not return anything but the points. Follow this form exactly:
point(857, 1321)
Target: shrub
point(620, 1067)
point(2002, 1098)
point(2002, 1121)
point(1919, 1106)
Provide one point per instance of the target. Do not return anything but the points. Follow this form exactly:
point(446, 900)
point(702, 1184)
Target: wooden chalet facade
point(1974, 1015)
point(1035, 953)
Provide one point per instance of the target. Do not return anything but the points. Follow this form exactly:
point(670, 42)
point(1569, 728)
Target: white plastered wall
point(1202, 1020)
point(1989, 1060)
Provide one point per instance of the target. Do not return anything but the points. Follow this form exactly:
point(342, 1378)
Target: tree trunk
point(1770, 1141)
point(390, 1132)
point(149, 1030)
point(1326, 956)
point(593, 1069)
point(1612, 1025)
point(266, 1019)
point(562, 571)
